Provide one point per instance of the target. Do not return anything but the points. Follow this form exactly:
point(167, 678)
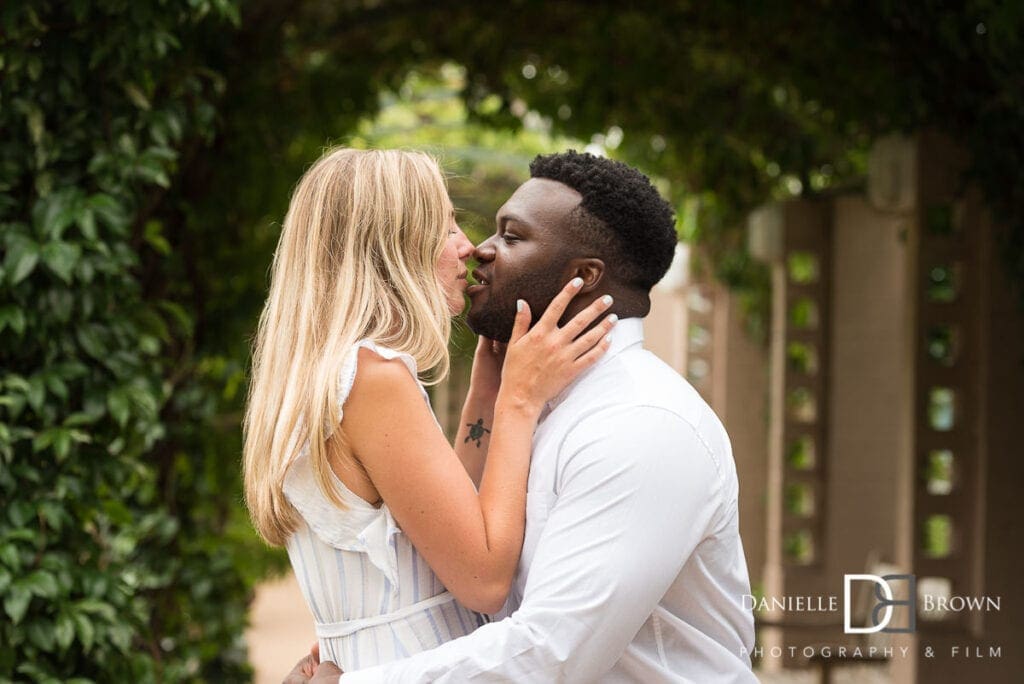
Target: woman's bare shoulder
point(379, 381)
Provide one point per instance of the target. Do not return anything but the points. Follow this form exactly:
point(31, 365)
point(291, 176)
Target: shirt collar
point(628, 332)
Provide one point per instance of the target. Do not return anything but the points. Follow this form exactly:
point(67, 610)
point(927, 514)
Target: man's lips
point(481, 283)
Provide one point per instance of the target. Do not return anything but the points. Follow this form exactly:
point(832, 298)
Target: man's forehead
point(541, 199)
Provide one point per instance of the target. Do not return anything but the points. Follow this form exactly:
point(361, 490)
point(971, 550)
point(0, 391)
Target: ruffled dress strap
point(360, 526)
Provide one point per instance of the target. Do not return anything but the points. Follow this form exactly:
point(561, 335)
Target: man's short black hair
point(621, 215)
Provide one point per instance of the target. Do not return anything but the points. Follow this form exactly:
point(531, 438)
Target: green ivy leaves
point(61, 258)
point(97, 558)
point(21, 258)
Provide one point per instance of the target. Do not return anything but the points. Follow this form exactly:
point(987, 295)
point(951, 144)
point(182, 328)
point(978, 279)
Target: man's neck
point(627, 333)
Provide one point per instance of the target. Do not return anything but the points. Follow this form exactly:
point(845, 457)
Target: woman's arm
point(467, 537)
point(470, 538)
point(473, 437)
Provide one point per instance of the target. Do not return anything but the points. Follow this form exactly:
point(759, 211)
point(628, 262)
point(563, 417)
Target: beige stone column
point(795, 238)
point(968, 390)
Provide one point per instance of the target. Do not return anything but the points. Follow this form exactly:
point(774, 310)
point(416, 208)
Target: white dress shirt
point(632, 568)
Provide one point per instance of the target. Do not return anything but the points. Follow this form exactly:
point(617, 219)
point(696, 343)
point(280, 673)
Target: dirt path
point(281, 629)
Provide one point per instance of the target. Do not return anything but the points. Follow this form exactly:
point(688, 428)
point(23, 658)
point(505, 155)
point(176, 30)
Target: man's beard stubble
point(496, 317)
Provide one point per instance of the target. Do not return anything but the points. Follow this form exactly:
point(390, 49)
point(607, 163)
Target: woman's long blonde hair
point(357, 258)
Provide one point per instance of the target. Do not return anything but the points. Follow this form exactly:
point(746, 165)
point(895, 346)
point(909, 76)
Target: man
point(632, 568)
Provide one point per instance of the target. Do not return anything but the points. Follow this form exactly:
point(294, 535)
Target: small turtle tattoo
point(476, 431)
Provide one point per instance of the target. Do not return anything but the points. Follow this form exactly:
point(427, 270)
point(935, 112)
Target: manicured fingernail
point(608, 339)
point(519, 305)
point(576, 282)
point(607, 299)
point(613, 318)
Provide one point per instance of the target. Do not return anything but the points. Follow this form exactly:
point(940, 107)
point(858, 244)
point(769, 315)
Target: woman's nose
point(465, 247)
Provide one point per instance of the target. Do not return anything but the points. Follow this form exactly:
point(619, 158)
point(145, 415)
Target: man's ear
point(591, 269)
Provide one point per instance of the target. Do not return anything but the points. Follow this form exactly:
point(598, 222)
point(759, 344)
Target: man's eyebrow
point(502, 220)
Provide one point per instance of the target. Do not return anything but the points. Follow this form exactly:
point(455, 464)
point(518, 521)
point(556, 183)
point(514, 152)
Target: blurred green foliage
point(937, 540)
point(737, 103)
point(800, 453)
point(728, 103)
point(113, 559)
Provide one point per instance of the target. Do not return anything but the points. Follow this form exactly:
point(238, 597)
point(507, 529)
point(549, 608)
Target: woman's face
point(451, 266)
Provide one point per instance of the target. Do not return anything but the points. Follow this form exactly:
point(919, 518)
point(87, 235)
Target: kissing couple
point(583, 526)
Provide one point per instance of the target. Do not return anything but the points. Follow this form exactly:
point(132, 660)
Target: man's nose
point(485, 250)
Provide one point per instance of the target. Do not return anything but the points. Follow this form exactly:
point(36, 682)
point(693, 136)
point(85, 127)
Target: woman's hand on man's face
point(542, 360)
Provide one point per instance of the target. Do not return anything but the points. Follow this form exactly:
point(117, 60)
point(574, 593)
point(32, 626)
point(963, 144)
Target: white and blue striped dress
point(373, 597)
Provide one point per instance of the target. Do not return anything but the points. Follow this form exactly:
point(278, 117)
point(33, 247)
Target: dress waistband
point(332, 630)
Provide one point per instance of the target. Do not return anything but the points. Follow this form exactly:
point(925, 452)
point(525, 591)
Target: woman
point(345, 464)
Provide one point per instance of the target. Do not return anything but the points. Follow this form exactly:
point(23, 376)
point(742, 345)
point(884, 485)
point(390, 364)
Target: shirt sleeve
point(637, 491)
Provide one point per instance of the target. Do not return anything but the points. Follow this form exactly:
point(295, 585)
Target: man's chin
point(484, 322)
